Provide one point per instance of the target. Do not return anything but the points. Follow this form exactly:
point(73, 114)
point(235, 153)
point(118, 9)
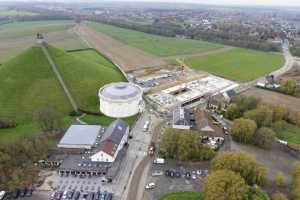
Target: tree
point(225, 185)
point(247, 103)
point(278, 127)
point(256, 193)
point(294, 118)
point(242, 163)
point(263, 115)
point(288, 86)
point(243, 130)
point(280, 179)
point(279, 113)
point(48, 119)
point(232, 112)
point(296, 182)
point(279, 196)
point(184, 145)
point(264, 137)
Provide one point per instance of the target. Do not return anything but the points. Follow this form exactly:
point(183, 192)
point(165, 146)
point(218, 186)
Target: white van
point(160, 161)
point(2, 194)
point(146, 126)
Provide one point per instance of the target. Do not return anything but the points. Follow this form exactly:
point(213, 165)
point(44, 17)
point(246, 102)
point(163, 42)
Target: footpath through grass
point(158, 45)
point(182, 196)
point(238, 64)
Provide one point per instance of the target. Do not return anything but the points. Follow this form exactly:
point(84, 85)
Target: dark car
point(167, 173)
point(23, 192)
point(91, 196)
point(16, 194)
point(109, 196)
point(8, 196)
point(70, 194)
point(58, 195)
point(29, 192)
point(188, 175)
point(98, 195)
point(76, 195)
point(177, 174)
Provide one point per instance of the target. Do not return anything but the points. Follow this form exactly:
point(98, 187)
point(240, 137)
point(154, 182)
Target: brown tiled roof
point(108, 147)
point(205, 125)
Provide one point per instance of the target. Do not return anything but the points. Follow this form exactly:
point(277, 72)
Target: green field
point(238, 64)
point(13, 13)
point(25, 29)
point(182, 196)
point(291, 134)
point(27, 83)
point(26, 24)
point(158, 45)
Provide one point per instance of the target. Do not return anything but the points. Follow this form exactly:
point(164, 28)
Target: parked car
point(29, 192)
point(157, 173)
point(76, 195)
point(150, 186)
point(103, 195)
point(188, 175)
point(109, 196)
point(16, 194)
point(2, 194)
point(177, 174)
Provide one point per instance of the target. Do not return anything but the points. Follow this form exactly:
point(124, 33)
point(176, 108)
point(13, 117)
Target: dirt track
point(275, 98)
point(128, 58)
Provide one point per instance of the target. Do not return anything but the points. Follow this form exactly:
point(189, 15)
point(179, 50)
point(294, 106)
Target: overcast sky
point(218, 2)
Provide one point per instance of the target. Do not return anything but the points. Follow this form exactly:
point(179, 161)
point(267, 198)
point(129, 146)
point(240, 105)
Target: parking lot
point(175, 176)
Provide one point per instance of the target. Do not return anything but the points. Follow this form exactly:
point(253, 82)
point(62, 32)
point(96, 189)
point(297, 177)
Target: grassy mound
point(158, 45)
point(182, 196)
point(28, 83)
point(238, 64)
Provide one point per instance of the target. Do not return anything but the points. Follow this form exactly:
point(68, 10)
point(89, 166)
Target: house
point(206, 125)
point(222, 100)
point(182, 119)
point(112, 141)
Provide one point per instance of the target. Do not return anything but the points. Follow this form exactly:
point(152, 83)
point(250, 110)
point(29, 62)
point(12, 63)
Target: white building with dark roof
point(113, 140)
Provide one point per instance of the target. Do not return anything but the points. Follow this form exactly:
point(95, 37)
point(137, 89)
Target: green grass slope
point(26, 83)
point(158, 45)
point(238, 64)
point(182, 196)
point(84, 76)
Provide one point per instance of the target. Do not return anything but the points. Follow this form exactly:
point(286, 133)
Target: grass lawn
point(238, 64)
point(12, 13)
point(84, 76)
point(106, 121)
point(182, 196)
point(291, 134)
point(158, 45)
point(27, 83)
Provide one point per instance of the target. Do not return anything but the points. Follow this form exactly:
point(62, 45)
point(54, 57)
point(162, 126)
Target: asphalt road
point(138, 181)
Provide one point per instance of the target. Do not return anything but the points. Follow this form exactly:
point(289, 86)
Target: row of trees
point(228, 34)
point(259, 123)
point(184, 146)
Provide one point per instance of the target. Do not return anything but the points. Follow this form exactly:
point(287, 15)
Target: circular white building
point(120, 100)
